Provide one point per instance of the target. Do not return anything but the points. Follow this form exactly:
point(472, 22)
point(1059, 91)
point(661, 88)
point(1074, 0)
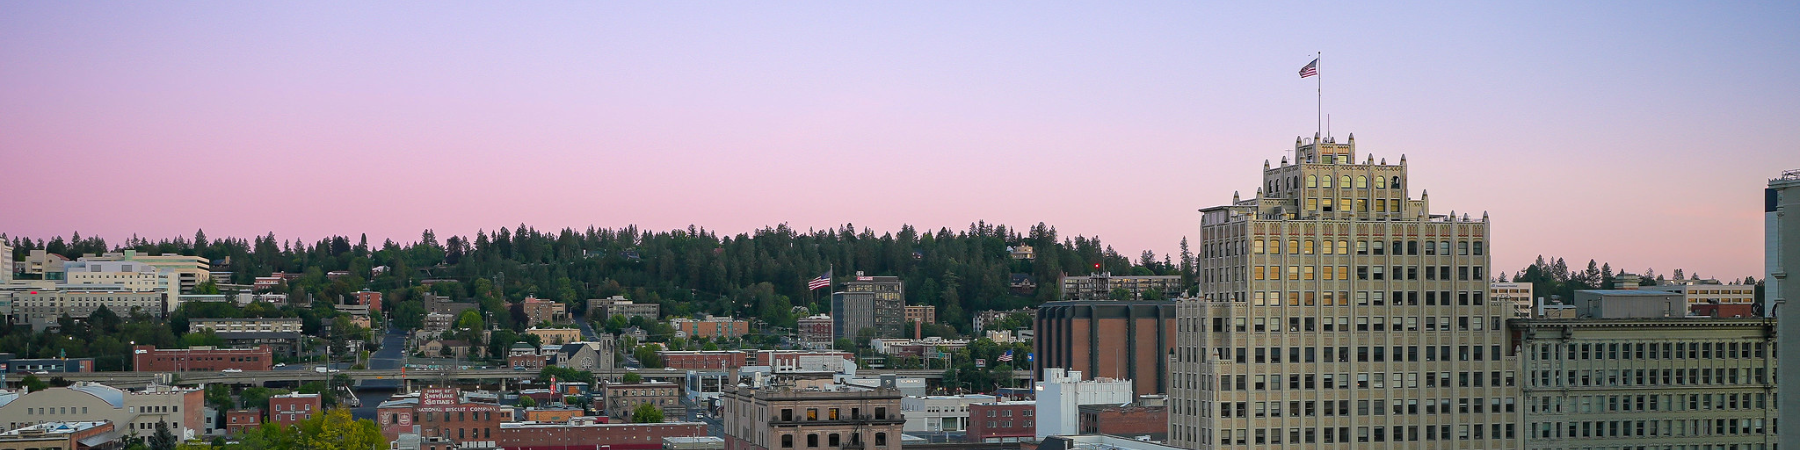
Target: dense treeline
point(688, 271)
point(1553, 277)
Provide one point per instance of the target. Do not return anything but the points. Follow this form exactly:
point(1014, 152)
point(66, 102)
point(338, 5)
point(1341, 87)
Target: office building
point(1640, 382)
point(940, 413)
point(7, 265)
point(1333, 304)
point(619, 306)
point(1062, 393)
point(875, 304)
point(148, 358)
point(1127, 340)
point(1516, 294)
point(620, 400)
point(1100, 286)
point(245, 325)
point(1781, 257)
point(786, 417)
point(133, 413)
point(710, 326)
point(369, 298)
point(183, 273)
point(41, 307)
point(43, 265)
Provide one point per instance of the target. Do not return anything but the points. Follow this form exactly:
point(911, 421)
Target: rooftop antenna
point(1328, 126)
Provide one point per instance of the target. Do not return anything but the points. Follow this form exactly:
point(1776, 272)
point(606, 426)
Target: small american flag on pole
point(1311, 69)
point(1007, 357)
point(821, 281)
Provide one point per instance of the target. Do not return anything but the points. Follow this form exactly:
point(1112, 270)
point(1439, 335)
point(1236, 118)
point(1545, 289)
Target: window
point(1362, 181)
point(812, 440)
point(1313, 181)
point(880, 439)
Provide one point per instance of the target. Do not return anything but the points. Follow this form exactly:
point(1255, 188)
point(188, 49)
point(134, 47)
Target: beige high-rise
point(1337, 312)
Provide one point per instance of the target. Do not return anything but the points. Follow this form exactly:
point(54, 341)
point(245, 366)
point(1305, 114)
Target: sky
point(1635, 133)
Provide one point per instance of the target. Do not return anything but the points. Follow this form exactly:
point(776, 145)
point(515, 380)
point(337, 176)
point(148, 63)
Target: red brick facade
point(441, 412)
point(713, 360)
point(292, 408)
point(1002, 422)
point(238, 421)
point(148, 358)
point(620, 436)
point(1127, 421)
point(371, 298)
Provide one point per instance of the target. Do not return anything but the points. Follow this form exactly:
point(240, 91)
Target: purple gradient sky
point(1637, 133)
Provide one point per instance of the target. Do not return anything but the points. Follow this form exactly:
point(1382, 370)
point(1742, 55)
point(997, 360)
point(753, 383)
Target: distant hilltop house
point(1022, 252)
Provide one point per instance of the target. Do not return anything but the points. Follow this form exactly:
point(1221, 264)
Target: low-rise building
point(133, 413)
point(1061, 394)
point(703, 360)
point(782, 361)
point(1137, 420)
point(1710, 298)
point(940, 412)
point(585, 433)
point(443, 413)
point(619, 306)
point(544, 311)
point(42, 307)
point(815, 331)
point(1640, 382)
point(9, 364)
point(1002, 421)
point(786, 417)
point(552, 414)
point(596, 355)
point(1635, 303)
point(245, 325)
point(240, 421)
point(147, 358)
point(290, 409)
point(1100, 286)
point(709, 326)
point(62, 435)
point(927, 347)
point(621, 399)
point(555, 335)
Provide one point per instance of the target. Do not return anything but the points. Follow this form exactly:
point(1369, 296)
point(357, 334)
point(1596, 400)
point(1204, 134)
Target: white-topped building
point(1061, 394)
point(1336, 311)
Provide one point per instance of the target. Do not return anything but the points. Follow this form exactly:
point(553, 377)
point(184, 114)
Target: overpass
point(139, 379)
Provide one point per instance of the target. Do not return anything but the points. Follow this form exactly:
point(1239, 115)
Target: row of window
point(1261, 436)
point(1651, 377)
point(1376, 380)
point(1332, 273)
point(54, 410)
point(1586, 404)
point(1647, 428)
point(834, 440)
point(1341, 408)
point(1652, 350)
point(1363, 247)
point(1401, 353)
point(787, 414)
point(1334, 324)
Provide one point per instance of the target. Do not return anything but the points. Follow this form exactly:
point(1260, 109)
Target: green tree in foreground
point(647, 413)
point(526, 402)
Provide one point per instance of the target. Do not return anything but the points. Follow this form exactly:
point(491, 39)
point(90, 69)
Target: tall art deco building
point(1336, 311)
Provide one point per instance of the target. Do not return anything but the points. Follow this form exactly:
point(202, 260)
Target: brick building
point(238, 421)
point(621, 399)
point(703, 360)
point(554, 414)
point(290, 409)
point(1127, 340)
point(588, 434)
point(442, 413)
point(815, 331)
point(1130, 421)
point(370, 298)
point(540, 311)
point(803, 361)
point(1002, 421)
point(148, 358)
point(920, 315)
point(787, 417)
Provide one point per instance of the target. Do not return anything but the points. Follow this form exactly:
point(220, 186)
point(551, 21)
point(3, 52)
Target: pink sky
point(1635, 133)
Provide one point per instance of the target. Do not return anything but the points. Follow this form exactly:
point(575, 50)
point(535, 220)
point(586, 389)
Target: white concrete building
point(131, 412)
point(6, 263)
point(1517, 294)
point(1061, 394)
point(940, 412)
point(41, 307)
point(1702, 292)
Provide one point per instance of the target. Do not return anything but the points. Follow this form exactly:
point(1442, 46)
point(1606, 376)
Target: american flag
point(1007, 357)
point(821, 281)
point(1311, 69)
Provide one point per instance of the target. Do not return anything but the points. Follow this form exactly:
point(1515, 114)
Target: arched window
point(1362, 181)
point(1380, 183)
point(1344, 182)
point(1396, 183)
point(1325, 182)
point(1312, 181)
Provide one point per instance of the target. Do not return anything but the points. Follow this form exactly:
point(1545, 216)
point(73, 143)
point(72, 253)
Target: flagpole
point(1320, 79)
